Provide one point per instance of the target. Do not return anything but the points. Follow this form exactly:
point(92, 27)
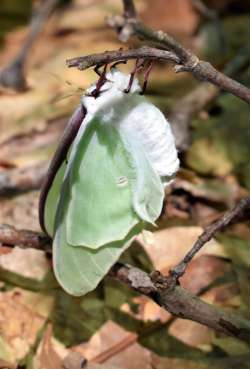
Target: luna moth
point(106, 181)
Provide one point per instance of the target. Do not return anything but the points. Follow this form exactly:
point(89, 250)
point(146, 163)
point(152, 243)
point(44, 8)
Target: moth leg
point(138, 66)
point(97, 69)
point(146, 75)
point(118, 63)
point(100, 82)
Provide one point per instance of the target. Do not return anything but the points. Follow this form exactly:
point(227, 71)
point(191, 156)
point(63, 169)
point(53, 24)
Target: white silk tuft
point(134, 115)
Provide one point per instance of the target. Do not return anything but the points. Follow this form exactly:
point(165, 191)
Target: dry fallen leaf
point(176, 363)
point(50, 353)
point(223, 295)
point(168, 246)
point(22, 315)
point(21, 210)
point(202, 271)
point(115, 346)
point(148, 310)
point(29, 263)
point(52, 80)
point(192, 333)
point(175, 16)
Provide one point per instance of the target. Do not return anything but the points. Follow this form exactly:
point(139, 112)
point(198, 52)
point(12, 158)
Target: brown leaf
point(22, 315)
point(175, 363)
point(168, 246)
point(74, 360)
point(192, 333)
point(222, 295)
point(6, 365)
point(47, 356)
point(202, 271)
point(174, 16)
point(48, 77)
point(115, 346)
point(148, 310)
point(29, 263)
point(218, 190)
point(21, 210)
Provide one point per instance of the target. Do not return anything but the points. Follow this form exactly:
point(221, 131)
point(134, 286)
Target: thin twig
point(209, 233)
point(189, 62)
point(10, 236)
point(149, 53)
point(121, 345)
point(74, 360)
point(204, 10)
point(129, 9)
point(212, 15)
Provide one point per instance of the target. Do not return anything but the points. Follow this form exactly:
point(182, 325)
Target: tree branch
point(180, 302)
point(204, 10)
point(149, 53)
point(10, 236)
point(129, 9)
point(189, 62)
point(165, 291)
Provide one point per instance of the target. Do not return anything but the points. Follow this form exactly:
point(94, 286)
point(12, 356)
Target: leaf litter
point(40, 325)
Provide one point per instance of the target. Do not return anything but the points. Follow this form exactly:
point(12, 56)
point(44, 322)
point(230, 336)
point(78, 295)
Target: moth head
point(116, 81)
point(120, 81)
point(111, 91)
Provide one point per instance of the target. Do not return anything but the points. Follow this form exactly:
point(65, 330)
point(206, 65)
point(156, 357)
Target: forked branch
point(130, 24)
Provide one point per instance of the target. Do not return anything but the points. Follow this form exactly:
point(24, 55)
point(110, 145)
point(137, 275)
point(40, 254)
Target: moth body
point(134, 115)
point(112, 184)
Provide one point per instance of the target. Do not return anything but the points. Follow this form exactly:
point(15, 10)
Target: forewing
point(80, 269)
point(100, 209)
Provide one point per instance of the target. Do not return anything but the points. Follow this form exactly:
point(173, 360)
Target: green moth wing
point(111, 184)
point(100, 209)
point(80, 269)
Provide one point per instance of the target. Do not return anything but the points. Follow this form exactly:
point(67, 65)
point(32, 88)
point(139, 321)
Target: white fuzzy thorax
point(135, 115)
